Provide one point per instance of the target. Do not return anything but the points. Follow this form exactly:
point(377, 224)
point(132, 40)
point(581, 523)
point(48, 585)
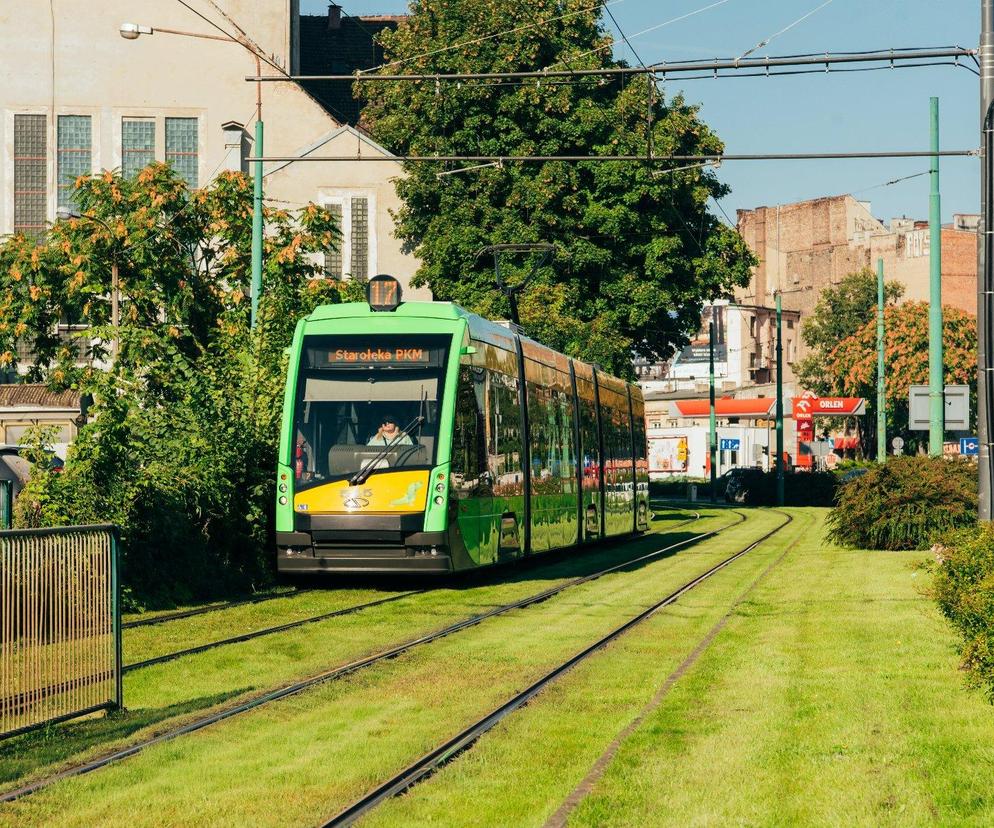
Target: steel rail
point(176, 616)
point(344, 670)
point(444, 753)
point(654, 69)
point(237, 639)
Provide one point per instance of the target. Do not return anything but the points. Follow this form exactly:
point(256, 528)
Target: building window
point(360, 238)
point(74, 147)
point(333, 258)
point(752, 326)
point(356, 254)
point(181, 147)
point(30, 177)
point(137, 145)
point(790, 324)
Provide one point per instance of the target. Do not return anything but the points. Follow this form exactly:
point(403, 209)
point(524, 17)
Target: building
point(808, 246)
point(744, 352)
point(82, 95)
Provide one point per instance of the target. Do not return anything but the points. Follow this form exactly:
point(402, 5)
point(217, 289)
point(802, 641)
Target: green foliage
point(800, 489)
point(905, 503)
point(963, 587)
point(637, 251)
point(181, 445)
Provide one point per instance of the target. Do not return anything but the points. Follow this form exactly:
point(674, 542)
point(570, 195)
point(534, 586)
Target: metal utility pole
point(257, 225)
point(936, 413)
point(713, 437)
point(780, 463)
point(881, 391)
point(985, 262)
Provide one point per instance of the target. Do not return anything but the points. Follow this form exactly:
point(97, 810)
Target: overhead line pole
point(729, 64)
point(936, 404)
point(780, 461)
point(881, 388)
point(712, 419)
point(985, 264)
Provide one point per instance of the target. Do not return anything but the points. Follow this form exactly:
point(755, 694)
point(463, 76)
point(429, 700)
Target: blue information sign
point(969, 445)
point(730, 444)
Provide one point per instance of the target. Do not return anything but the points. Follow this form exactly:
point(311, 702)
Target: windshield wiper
point(363, 474)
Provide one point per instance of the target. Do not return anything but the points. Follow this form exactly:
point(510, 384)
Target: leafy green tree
point(180, 449)
point(637, 250)
point(842, 310)
point(851, 366)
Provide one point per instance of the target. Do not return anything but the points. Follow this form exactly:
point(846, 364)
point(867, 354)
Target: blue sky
point(882, 110)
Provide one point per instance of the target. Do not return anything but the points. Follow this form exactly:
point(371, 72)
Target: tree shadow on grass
point(55, 744)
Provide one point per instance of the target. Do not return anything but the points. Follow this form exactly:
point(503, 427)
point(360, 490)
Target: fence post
point(115, 587)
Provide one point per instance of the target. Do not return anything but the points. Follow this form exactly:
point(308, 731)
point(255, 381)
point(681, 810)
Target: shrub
point(674, 486)
point(963, 587)
point(904, 504)
point(799, 489)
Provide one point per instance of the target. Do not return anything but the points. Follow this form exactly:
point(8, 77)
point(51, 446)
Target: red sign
point(807, 407)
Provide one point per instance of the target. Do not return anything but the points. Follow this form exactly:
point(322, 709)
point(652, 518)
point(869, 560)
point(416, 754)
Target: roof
point(756, 407)
point(36, 395)
point(340, 51)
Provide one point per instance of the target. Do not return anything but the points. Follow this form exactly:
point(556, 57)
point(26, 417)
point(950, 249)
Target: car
point(740, 482)
point(14, 466)
point(852, 474)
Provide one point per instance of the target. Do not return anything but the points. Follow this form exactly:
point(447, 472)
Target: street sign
point(897, 443)
point(956, 408)
point(969, 446)
point(730, 444)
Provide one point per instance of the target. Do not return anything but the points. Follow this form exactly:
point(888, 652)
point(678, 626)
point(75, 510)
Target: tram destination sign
point(374, 355)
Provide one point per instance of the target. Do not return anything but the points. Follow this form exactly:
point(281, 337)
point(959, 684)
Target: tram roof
point(483, 330)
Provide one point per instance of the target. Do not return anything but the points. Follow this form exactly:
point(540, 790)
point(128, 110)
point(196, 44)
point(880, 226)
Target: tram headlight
point(283, 500)
point(439, 487)
point(282, 487)
point(439, 500)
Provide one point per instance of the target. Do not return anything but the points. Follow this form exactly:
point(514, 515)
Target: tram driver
point(390, 433)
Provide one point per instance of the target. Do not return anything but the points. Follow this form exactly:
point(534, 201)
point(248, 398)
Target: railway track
point(462, 741)
point(190, 613)
point(236, 639)
point(351, 667)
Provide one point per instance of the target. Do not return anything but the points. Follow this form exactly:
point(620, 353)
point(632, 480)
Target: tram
point(419, 437)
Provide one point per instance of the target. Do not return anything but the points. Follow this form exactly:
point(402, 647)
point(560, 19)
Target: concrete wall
point(67, 57)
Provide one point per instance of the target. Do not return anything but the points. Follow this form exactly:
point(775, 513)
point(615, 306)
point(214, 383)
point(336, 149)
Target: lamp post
point(132, 31)
point(712, 419)
point(115, 280)
point(780, 469)
point(881, 388)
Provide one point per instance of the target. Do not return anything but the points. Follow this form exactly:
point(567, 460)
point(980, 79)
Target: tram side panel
point(590, 454)
point(551, 436)
point(641, 462)
point(486, 488)
point(618, 472)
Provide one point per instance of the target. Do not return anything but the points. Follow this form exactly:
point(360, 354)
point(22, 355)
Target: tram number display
point(378, 356)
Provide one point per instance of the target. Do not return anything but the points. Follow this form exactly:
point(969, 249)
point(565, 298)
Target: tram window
point(503, 415)
point(590, 444)
point(469, 433)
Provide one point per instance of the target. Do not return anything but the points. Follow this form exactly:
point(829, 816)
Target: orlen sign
point(807, 407)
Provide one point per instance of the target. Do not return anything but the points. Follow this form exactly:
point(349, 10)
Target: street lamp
point(132, 31)
point(115, 281)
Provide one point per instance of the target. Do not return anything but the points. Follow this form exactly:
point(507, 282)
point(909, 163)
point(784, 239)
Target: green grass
point(831, 698)
point(178, 690)
point(315, 752)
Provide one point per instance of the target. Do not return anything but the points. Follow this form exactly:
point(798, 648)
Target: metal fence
point(60, 625)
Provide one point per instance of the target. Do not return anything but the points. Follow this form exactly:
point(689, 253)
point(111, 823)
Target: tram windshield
point(365, 404)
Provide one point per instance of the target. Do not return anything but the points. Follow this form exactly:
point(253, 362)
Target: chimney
point(334, 17)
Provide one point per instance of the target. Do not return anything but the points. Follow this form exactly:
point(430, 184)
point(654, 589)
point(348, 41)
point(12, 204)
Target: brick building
point(810, 245)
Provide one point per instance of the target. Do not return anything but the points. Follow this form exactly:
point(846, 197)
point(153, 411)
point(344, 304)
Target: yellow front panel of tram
point(401, 491)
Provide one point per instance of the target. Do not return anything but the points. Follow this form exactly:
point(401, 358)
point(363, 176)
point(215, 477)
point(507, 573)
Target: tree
point(180, 449)
point(637, 251)
point(840, 313)
point(851, 366)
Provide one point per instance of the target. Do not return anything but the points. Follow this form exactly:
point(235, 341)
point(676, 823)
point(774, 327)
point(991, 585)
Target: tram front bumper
point(359, 550)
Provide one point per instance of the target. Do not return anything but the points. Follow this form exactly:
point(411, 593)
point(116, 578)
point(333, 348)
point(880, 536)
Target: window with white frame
point(30, 174)
point(74, 152)
point(355, 256)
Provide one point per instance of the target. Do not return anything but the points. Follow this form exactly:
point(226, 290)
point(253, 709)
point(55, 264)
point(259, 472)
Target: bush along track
point(446, 752)
point(347, 669)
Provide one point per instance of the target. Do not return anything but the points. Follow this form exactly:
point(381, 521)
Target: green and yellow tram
point(418, 437)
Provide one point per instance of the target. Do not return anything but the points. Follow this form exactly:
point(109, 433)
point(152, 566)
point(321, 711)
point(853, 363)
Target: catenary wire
point(765, 41)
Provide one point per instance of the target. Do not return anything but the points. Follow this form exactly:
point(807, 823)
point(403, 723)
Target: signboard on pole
point(956, 408)
point(969, 446)
point(730, 444)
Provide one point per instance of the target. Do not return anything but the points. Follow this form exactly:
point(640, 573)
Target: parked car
point(16, 468)
point(740, 482)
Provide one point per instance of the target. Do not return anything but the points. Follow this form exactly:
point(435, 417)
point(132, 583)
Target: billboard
point(668, 454)
point(697, 349)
